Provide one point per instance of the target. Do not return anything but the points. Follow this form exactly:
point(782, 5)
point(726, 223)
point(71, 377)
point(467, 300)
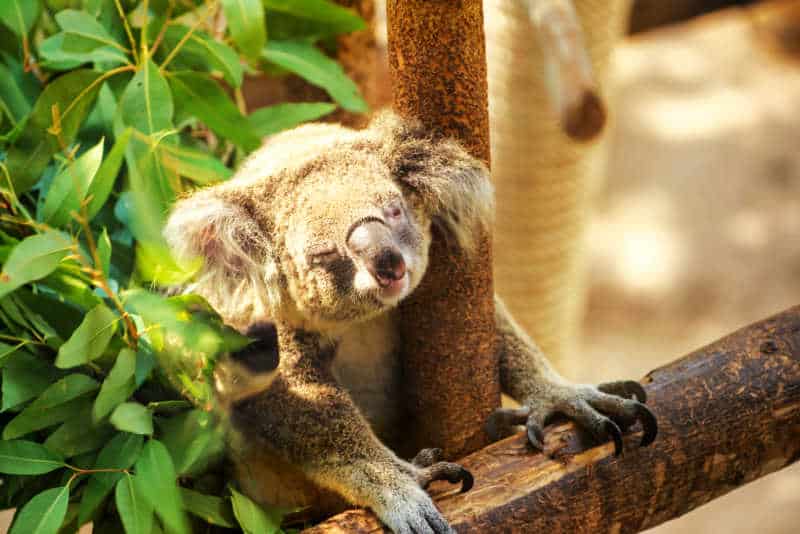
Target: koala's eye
point(323, 254)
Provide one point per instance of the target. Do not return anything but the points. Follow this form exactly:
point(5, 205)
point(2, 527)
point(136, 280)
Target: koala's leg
point(527, 376)
point(308, 421)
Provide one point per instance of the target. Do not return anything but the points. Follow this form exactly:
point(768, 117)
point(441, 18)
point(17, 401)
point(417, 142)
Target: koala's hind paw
point(430, 468)
point(604, 411)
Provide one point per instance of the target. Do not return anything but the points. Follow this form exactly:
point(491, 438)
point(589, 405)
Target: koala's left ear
point(453, 187)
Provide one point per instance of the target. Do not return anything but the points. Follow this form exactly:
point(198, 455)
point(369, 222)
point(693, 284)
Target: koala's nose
point(388, 266)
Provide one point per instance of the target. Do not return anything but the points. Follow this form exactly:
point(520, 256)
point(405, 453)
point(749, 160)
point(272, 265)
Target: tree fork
point(437, 60)
point(728, 414)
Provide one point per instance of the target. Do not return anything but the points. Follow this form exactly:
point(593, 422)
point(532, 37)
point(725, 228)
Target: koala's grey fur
point(322, 232)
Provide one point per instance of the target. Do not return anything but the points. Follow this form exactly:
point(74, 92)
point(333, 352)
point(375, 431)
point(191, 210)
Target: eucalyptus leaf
point(201, 52)
point(72, 95)
point(135, 511)
point(59, 402)
point(273, 119)
point(156, 481)
point(69, 187)
point(90, 339)
point(200, 167)
point(104, 252)
point(103, 183)
point(18, 457)
point(19, 15)
point(43, 514)
point(119, 453)
point(132, 417)
point(24, 377)
point(212, 510)
point(12, 97)
point(308, 62)
point(205, 99)
point(146, 104)
point(252, 518)
point(33, 258)
point(75, 437)
point(246, 25)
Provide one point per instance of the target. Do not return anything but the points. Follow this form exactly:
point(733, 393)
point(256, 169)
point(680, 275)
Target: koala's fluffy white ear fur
point(454, 187)
point(238, 277)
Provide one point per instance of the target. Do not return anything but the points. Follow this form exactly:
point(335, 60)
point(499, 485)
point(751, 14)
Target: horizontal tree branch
point(728, 414)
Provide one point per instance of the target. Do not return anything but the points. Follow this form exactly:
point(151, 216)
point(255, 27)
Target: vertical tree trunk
point(438, 66)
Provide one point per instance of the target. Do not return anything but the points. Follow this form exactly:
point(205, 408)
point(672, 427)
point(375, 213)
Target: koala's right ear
point(238, 277)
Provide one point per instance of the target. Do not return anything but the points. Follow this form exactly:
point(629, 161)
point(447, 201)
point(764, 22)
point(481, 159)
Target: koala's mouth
point(390, 291)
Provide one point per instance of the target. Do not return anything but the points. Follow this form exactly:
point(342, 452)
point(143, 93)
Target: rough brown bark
point(728, 414)
point(438, 64)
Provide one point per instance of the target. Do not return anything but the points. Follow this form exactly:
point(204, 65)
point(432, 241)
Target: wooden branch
point(437, 59)
point(728, 414)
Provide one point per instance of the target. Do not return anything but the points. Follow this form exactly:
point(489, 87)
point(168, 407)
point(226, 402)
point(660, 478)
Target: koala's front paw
point(408, 509)
point(604, 411)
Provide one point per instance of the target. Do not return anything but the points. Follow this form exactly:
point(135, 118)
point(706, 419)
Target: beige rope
point(544, 180)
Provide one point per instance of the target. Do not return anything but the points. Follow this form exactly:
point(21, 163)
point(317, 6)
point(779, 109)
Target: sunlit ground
point(698, 232)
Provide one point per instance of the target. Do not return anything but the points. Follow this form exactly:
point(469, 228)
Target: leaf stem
point(127, 30)
point(211, 10)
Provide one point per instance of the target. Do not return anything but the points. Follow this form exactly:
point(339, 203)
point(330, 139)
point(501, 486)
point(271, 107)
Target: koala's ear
point(453, 187)
point(237, 277)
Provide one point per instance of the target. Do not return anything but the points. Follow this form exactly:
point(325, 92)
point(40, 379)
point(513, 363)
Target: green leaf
point(103, 183)
point(12, 98)
point(43, 514)
point(146, 103)
point(157, 482)
point(90, 339)
point(70, 186)
point(252, 518)
point(200, 167)
point(315, 18)
point(19, 15)
point(74, 437)
point(20, 457)
point(104, 252)
point(7, 350)
point(212, 510)
point(120, 453)
point(132, 417)
point(201, 52)
point(33, 258)
point(83, 26)
point(73, 94)
point(56, 404)
point(135, 511)
point(308, 62)
point(194, 440)
point(24, 377)
point(273, 119)
point(156, 264)
point(246, 25)
point(205, 99)
point(65, 51)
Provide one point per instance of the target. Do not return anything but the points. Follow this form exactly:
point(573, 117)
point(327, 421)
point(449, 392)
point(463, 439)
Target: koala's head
point(325, 226)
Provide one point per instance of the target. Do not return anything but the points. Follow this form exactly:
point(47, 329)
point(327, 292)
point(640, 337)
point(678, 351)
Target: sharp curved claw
point(450, 472)
point(613, 430)
point(535, 434)
point(502, 420)
point(467, 480)
point(649, 424)
point(427, 457)
point(625, 388)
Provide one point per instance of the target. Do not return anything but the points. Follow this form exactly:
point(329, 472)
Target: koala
point(320, 234)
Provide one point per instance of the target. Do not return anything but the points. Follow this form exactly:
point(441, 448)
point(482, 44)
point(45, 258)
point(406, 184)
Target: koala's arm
point(526, 375)
point(307, 420)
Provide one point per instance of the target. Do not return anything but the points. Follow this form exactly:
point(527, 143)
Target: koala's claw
point(625, 388)
point(605, 412)
point(432, 468)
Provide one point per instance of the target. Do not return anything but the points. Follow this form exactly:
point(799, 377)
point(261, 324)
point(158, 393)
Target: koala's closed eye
point(322, 254)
